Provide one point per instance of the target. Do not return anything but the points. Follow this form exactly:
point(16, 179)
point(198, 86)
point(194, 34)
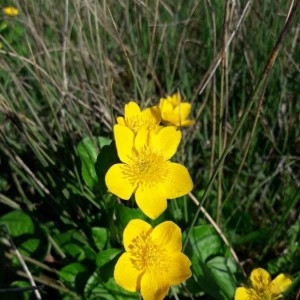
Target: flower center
point(147, 167)
point(147, 255)
point(136, 122)
point(262, 293)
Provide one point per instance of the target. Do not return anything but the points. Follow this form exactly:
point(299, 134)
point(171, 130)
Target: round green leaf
point(18, 223)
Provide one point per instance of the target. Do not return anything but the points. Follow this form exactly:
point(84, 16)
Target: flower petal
point(165, 106)
point(178, 182)
point(141, 139)
point(133, 229)
point(179, 268)
point(281, 283)
point(168, 235)
point(151, 201)
point(241, 293)
point(117, 183)
point(154, 287)
point(121, 121)
point(165, 141)
point(131, 109)
point(187, 123)
point(260, 279)
point(182, 110)
point(126, 275)
point(124, 141)
point(152, 113)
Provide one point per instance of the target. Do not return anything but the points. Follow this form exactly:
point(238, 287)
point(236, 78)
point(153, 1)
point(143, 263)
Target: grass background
point(68, 67)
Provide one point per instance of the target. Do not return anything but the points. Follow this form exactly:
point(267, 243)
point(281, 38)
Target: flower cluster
point(146, 140)
point(145, 148)
point(153, 261)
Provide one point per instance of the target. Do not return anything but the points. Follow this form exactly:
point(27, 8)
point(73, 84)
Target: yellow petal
point(154, 286)
point(280, 283)
point(133, 229)
point(165, 106)
point(126, 275)
point(168, 235)
point(124, 142)
point(117, 183)
point(131, 109)
point(179, 268)
point(176, 99)
point(151, 201)
point(183, 110)
point(187, 123)
point(165, 141)
point(178, 182)
point(152, 113)
point(241, 293)
point(121, 121)
point(259, 279)
point(141, 139)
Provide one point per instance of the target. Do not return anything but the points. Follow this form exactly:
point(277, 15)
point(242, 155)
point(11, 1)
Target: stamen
point(136, 122)
point(147, 167)
point(147, 255)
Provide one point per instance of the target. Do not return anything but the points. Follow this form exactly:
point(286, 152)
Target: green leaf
point(205, 242)
point(212, 272)
point(18, 223)
point(74, 245)
point(96, 289)
point(27, 236)
point(99, 235)
point(106, 256)
point(88, 150)
point(75, 275)
point(74, 250)
point(124, 214)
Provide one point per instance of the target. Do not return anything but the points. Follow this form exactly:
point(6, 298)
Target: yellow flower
point(262, 287)
point(174, 111)
point(10, 11)
point(153, 260)
point(134, 118)
point(146, 170)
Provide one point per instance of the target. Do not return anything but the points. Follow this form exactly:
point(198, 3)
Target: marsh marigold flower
point(174, 111)
point(146, 169)
point(135, 118)
point(262, 287)
point(10, 11)
point(153, 260)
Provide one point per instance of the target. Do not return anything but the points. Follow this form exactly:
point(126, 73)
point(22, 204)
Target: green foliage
point(213, 269)
point(27, 234)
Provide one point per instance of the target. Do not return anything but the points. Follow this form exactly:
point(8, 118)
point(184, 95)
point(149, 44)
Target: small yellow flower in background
point(153, 260)
point(174, 111)
point(135, 118)
point(262, 287)
point(146, 169)
point(10, 11)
